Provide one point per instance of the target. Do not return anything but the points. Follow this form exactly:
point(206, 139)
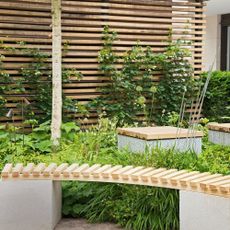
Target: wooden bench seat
point(213, 184)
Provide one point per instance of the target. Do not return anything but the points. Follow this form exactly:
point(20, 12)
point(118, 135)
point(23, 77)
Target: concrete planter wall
point(219, 133)
point(30, 204)
point(200, 211)
point(167, 137)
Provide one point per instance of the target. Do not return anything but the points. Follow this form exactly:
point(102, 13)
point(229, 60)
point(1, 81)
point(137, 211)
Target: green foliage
point(5, 86)
point(36, 77)
point(217, 100)
point(131, 90)
point(37, 142)
point(134, 207)
point(215, 158)
point(177, 81)
point(126, 94)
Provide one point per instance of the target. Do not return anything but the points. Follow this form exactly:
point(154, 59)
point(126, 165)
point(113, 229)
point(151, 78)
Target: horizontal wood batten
point(82, 24)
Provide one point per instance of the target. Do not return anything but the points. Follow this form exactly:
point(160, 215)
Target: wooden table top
point(222, 127)
point(158, 132)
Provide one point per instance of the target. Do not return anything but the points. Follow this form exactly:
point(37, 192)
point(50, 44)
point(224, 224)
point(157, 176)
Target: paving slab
point(81, 224)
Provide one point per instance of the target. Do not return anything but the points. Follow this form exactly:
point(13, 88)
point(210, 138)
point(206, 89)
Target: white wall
point(212, 43)
point(215, 7)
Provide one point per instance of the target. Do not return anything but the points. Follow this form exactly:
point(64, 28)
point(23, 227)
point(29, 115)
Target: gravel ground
point(81, 224)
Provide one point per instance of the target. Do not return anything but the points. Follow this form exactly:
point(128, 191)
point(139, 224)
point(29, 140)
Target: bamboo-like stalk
point(56, 73)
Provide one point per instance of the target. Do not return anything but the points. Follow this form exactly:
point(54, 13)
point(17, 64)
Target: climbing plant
point(4, 86)
point(177, 81)
point(132, 92)
point(35, 78)
point(129, 88)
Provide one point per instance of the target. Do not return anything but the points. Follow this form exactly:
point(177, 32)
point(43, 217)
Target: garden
point(132, 97)
point(133, 207)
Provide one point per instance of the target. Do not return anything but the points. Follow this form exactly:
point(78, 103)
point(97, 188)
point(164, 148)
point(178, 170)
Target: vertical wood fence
point(148, 21)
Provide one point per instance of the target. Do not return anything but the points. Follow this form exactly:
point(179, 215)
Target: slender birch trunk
point(56, 73)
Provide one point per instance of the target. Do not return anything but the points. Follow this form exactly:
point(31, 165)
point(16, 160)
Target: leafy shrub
point(24, 148)
point(177, 81)
point(217, 100)
point(131, 90)
point(215, 159)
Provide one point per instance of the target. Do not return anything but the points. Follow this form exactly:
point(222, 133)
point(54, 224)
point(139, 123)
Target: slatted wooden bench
point(212, 185)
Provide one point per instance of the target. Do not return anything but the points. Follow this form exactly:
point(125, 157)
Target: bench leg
point(200, 211)
point(30, 204)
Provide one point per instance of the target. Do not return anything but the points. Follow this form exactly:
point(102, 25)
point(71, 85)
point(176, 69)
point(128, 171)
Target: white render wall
point(199, 211)
point(181, 144)
point(218, 137)
point(212, 43)
point(30, 204)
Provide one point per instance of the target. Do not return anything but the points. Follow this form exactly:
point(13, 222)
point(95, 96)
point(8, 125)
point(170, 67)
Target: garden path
point(81, 224)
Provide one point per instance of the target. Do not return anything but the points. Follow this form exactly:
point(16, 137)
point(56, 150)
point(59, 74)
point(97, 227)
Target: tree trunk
point(56, 73)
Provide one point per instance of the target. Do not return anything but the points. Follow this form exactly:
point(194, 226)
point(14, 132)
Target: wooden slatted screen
point(27, 21)
point(147, 21)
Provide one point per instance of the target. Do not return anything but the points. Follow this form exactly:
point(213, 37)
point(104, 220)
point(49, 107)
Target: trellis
point(82, 23)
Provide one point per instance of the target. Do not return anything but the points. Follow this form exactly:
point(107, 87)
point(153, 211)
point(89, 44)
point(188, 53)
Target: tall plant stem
point(56, 74)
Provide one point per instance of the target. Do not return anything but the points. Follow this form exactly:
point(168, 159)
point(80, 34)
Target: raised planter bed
point(137, 139)
point(219, 133)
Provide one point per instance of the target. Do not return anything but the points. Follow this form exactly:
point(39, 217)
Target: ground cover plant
point(134, 207)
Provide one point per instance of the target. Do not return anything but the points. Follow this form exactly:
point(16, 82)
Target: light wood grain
point(158, 133)
point(82, 26)
point(213, 184)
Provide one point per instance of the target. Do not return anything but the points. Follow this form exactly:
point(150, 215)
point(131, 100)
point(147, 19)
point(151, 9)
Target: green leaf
point(70, 126)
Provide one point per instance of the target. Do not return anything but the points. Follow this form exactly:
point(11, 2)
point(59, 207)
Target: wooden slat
point(82, 25)
point(7, 170)
point(193, 177)
point(50, 169)
point(76, 172)
point(177, 179)
point(58, 171)
point(17, 170)
point(38, 170)
point(98, 172)
point(215, 184)
point(147, 176)
point(225, 188)
point(207, 183)
point(108, 172)
point(87, 172)
point(165, 178)
point(28, 169)
point(156, 177)
point(136, 175)
point(115, 174)
point(196, 182)
point(125, 175)
point(67, 172)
